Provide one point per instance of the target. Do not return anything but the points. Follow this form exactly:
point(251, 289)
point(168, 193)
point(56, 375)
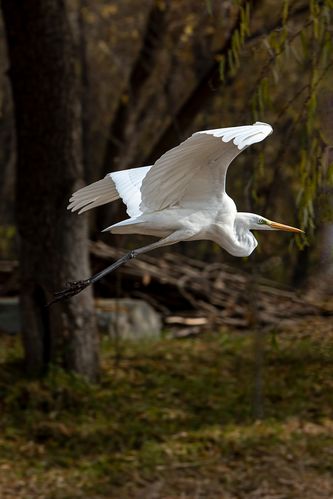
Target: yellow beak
point(286, 228)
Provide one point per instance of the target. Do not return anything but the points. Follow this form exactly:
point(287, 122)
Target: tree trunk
point(53, 243)
point(118, 140)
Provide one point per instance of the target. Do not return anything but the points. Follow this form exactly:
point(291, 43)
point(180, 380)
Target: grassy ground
point(174, 419)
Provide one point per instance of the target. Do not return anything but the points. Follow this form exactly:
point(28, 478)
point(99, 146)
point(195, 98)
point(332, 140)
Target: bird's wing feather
point(197, 167)
point(93, 195)
point(125, 184)
point(128, 184)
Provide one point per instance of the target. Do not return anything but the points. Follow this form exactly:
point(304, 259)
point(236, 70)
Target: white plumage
point(182, 196)
point(146, 188)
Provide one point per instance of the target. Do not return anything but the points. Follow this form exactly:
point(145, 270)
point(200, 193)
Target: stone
point(128, 319)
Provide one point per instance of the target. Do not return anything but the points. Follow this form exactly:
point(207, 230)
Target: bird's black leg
point(75, 287)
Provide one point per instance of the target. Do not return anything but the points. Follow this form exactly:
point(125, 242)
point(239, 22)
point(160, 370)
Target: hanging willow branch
point(314, 62)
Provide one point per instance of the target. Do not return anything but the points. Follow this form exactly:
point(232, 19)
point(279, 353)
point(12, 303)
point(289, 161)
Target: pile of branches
point(193, 293)
point(188, 293)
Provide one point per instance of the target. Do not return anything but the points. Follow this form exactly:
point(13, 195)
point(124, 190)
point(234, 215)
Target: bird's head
point(257, 222)
point(245, 223)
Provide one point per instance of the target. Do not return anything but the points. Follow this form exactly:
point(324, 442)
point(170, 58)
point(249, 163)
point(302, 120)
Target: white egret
point(181, 197)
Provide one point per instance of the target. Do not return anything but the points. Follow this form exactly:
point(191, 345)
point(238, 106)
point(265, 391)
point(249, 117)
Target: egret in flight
point(181, 197)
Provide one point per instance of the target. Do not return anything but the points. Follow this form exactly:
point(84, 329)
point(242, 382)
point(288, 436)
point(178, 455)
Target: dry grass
point(174, 419)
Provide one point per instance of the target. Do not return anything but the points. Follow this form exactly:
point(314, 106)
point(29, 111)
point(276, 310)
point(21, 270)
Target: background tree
point(45, 88)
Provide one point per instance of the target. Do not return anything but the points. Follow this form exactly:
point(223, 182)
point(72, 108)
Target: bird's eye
point(261, 221)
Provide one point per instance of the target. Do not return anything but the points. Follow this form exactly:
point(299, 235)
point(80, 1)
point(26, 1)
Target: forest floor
point(175, 418)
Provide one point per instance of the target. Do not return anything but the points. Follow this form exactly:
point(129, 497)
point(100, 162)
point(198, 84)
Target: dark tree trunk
point(7, 159)
point(117, 140)
point(53, 243)
point(115, 157)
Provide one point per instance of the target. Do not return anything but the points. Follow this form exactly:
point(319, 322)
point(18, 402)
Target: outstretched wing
point(197, 168)
point(124, 184)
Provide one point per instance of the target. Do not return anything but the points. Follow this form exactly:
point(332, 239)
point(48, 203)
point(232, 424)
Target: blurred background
point(188, 373)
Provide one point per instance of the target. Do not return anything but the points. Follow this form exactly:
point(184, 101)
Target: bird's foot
point(72, 289)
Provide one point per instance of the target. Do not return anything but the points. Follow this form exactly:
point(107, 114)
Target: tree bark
point(155, 29)
point(7, 159)
point(53, 243)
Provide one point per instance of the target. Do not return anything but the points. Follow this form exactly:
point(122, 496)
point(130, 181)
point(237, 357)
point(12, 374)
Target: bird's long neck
point(243, 235)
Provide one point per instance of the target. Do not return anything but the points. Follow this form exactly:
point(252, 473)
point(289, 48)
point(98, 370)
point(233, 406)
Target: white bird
point(181, 197)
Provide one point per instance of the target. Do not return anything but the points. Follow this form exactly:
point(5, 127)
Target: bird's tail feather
point(128, 226)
